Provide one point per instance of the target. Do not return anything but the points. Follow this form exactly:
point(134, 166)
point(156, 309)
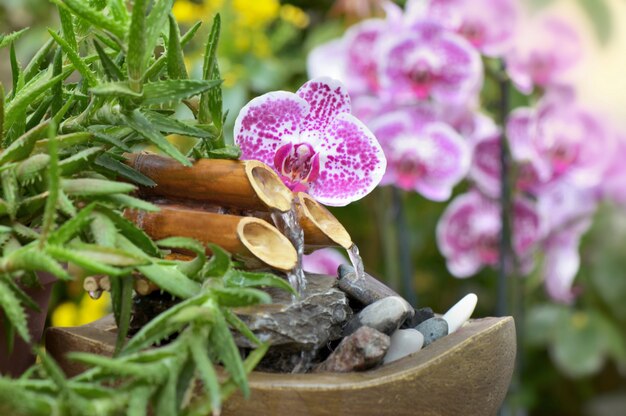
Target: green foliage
point(98, 88)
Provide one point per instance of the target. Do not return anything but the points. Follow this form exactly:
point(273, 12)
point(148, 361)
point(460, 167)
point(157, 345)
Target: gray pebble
point(433, 329)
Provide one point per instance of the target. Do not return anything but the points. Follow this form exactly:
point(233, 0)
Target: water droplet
point(95, 294)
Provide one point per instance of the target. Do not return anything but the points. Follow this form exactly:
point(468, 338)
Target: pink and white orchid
point(489, 25)
point(468, 233)
point(424, 155)
point(426, 61)
point(312, 141)
point(545, 51)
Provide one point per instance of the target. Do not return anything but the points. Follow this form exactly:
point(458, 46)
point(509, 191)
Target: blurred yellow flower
point(256, 13)
point(88, 310)
point(294, 15)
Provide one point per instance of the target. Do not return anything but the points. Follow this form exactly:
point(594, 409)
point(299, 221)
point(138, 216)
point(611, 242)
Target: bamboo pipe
point(246, 184)
point(321, 228)
point(246, 237)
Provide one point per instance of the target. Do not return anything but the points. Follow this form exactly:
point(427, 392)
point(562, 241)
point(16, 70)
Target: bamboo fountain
point(232, 204)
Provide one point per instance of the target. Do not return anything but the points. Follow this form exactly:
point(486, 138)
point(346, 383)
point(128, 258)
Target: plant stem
point(404, 248)
point(388, 238)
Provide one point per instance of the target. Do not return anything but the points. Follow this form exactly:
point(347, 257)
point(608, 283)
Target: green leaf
point(80, 161)
point(175, 58)
point(170, 279)
point(138, 122)
point(66, 140)
point(108, 255)
point(119, 89)
point(137, 35)
point(221, 341)
point(67, 25)
point(227, 152)
point(90, 187)
point(71, 227)
point(131, 232)
point(234, 321)
point(172, 91)
point(123, 170)
point(93, 16)
point(38, 59)
point(82, 258)
point(33, 260)
point(161, 326)
point(14, 311)
point(29, 94)
point(30, 169)
point(24, 145)
point(139, 401)
point(154, 373)
point(601, 18)
point(112, 71)
point(188, 268)
point(172, 126)
point(103, 230)
point(11, 37)
point(20, 294)
point(205, 369)
point(240, 278)
point(1, 114)
point(56, 102)
point(126, 300)
point(16, 72)
point(77, 60)
point(220, 262)
point(234, 298)
point(211, 102)
point(155, 69)
point(155, 23)
point(10, 191)
point(127, 201)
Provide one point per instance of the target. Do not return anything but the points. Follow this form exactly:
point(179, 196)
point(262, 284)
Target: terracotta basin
point(465, 373)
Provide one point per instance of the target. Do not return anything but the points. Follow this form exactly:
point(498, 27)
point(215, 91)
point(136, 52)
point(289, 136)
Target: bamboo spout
point(246, 237)
point(321, 228)
point(246, 184)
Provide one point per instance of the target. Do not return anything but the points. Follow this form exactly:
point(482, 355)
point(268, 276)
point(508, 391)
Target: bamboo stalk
point(245, 237)
point(246, 184)
point(144, 287)
point(321, 228)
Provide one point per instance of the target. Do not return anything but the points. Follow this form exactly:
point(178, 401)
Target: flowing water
point(357, 262)
point(287, 223)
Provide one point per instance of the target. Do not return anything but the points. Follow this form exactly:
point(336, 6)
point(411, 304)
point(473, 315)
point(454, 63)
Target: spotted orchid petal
point(352, 162)
point(312, 142)
point(268, 122)
point(327, 99)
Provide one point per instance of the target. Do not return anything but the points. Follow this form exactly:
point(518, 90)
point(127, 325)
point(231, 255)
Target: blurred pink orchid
point(545, 51)
point(312, 141)
point(324, 261)
point(489, 25)
point(468, 233)
point(424, 155)
point(558, 139)
point(426, 61)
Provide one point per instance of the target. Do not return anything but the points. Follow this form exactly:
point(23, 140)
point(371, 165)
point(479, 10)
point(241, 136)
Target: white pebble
point(403, 343)
point(461, 312)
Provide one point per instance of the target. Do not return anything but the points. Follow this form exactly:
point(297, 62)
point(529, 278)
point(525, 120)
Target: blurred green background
point(573, 358)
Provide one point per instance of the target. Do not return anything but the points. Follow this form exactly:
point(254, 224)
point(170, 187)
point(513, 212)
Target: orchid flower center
point(474, 32)
point(298, 164)
point(423, 74)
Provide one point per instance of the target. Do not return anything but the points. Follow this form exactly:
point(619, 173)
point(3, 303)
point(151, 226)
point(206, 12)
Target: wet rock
point(421, 315)
point(385, 315)
point(460, 312)
point(362, 350)
point(285, 360)
point(304, 324)
point(403, 343)
point(433, 329)
point(365, 291)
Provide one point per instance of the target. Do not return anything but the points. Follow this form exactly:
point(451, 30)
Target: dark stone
point(365, 291)
point(385, 315)
point(145, 308)
point(285, 360)
point(363, 350)
point(433, 329)
point(302, 324)
point(421, 315)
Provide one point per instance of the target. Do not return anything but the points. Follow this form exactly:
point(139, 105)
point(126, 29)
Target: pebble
point(433, 329)
point(460, 312)
point(403, 343)
point(421, 315)
point(365, 290)
point(385, 315)
point(363, 350)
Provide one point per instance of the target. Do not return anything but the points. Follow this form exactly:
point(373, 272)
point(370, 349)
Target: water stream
point(287, 223)
point(357, 262)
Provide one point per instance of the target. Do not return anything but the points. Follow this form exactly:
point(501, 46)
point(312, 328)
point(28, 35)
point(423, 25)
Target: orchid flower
point(312, 141)
point(469, 230)
point(324, 261)
point(424, 155)
point(489, 25)
point(546, 49)
point(559, 139)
